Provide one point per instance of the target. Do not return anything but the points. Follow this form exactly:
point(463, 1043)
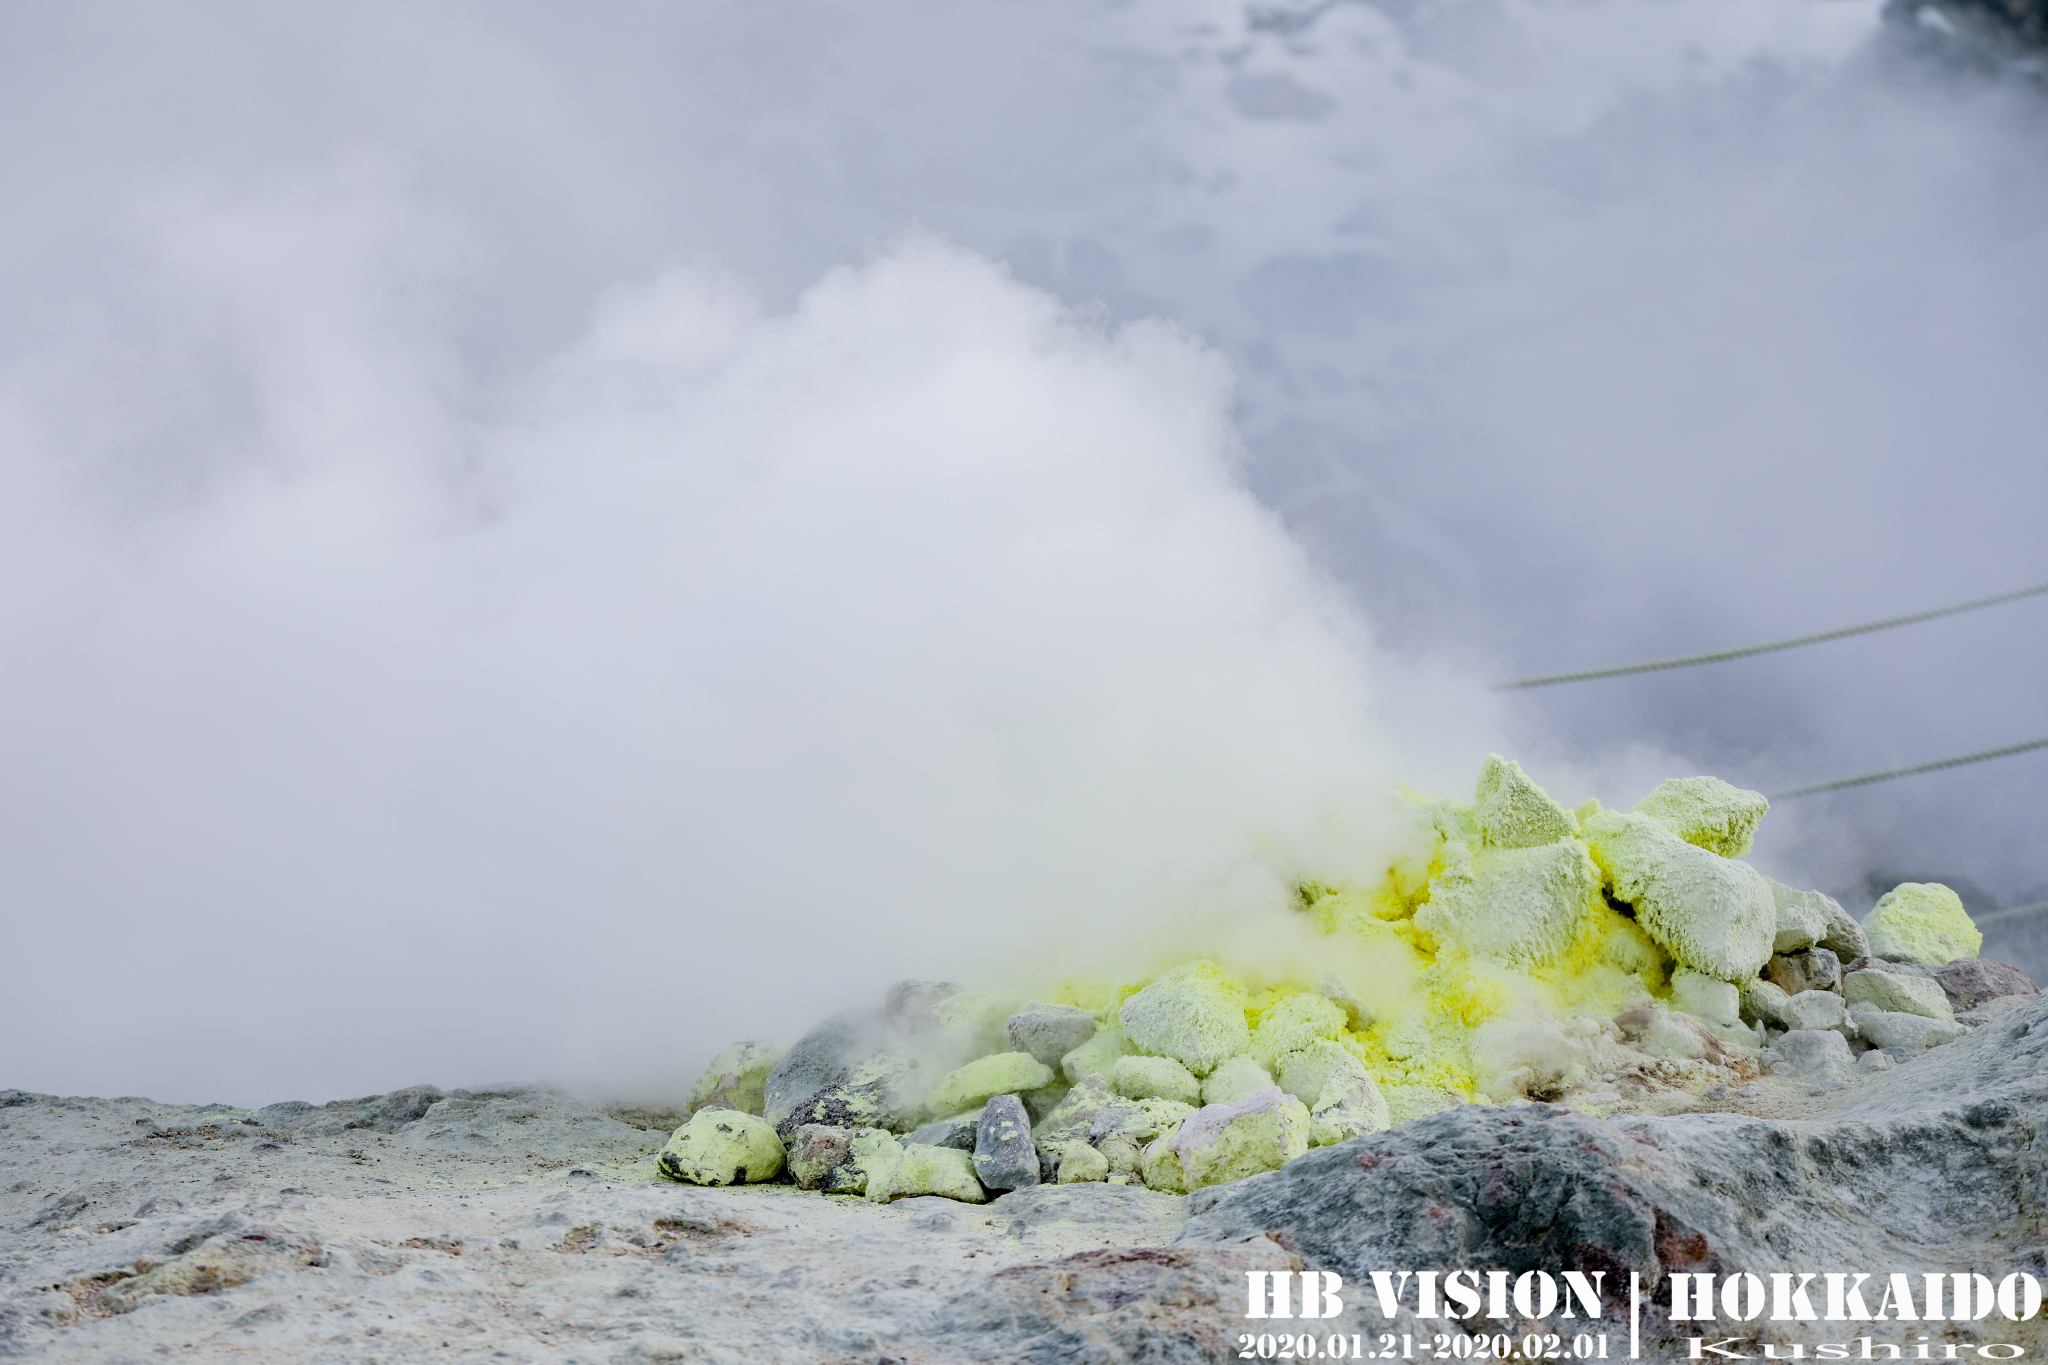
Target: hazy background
point(473, 604)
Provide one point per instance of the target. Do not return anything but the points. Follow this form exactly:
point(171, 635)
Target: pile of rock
point(1609, 960)
point(1173, 1089)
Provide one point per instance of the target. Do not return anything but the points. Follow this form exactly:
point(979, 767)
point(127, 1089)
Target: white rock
point(1811, 1010)
point(1817, 1054)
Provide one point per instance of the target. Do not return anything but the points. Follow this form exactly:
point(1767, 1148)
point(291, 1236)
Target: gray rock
point(885, 1091)
point(1971, 981)
point(1812, 1010)
point(907, 1008)
point(818, 1057)
point(1004, 1156)
point(1814, 969)
point(1817, 1054)
point(1877, 1059)
point(1992, 1009)
point(1908, 1032)
point(1541, 1186)
point(1897, 993)
point(1049, 1032)
point(1818, 919)
point(957, 1131)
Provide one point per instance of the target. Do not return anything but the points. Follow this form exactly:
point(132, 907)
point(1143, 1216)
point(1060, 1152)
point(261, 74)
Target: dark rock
point(818, 1057)
point(885, 1091)
point(1970, 981)
point(1541, 1188)
point(958, 1132)
point(1049, 1032)
point(1814, 969)
point(1004, 1156)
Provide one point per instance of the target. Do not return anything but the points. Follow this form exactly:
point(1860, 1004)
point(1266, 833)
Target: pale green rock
point(1139, 1078)
point(1764, 1000)
point(919, 1169)
point(1294, 1023)
point(1160, 1167)
point(1912, 1032)
point(1520, 906)
point(1348, 1109)
point(1707, 999)
point(1513, 812)
point(1229, 1141)
point(1075, 1115)
point(1080, 1163)
point(1193, 1014)
point(1707, 812)
point(1123, 1153)
point(1898, 993)
point(1816, 1010)
point(735, 1079)
point(1235, 1079)
point(1098, 1055)
point(1161, 1116)
point(1305, 1072)
point(1714, 914)
point(1922, 922)
point(722, 1147)
point(981, 1080)
point(1358, 1016)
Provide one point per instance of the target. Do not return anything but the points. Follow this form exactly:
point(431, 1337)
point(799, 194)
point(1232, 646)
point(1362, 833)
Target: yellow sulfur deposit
point(1512, 950)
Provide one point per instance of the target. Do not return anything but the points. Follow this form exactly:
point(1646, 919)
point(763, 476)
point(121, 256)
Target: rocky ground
point(529, 1224)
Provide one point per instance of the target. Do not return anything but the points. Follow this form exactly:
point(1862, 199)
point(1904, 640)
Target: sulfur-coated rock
point(1121, 1151)
point(1004, 1157)
point(722, 1147)
point(1813, 1010)
point(1080, 1162)
point(1801, 922)
point(920, 1169)
point(1816, 1054)
point(1235, 1079)
point(817, 1057)
point(1159, 1166)
point(1358, 1016)
point(972, 1024)
point(1908, 1032)
point(975, 1084)
point(1515, 905)
point(1513, 812)
point(1706, 998)
point(1295, 1022)
point(736, 1079)
point(1764, 1000)
point(1225, 1142)
point(886, 1090)
point(1193, 1014)
point(1073, 1120)
point(1707, 812)
point(1098, 1055)
point(1713, 914)
point(1139, 1078)
point(836, 1160)
point(1305, 1072)
point(955, 1131)
point(1049, 1032)
point(1897, 994)
point(1972, 981)
point(1814, 969)
point(1535, 1185)
point(1922, 922)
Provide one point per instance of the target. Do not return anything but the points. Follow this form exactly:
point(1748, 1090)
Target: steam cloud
point(408, 673)
point(739, 663)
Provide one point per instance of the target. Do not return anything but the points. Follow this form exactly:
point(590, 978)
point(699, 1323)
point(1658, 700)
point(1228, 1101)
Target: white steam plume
point(728, 668)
